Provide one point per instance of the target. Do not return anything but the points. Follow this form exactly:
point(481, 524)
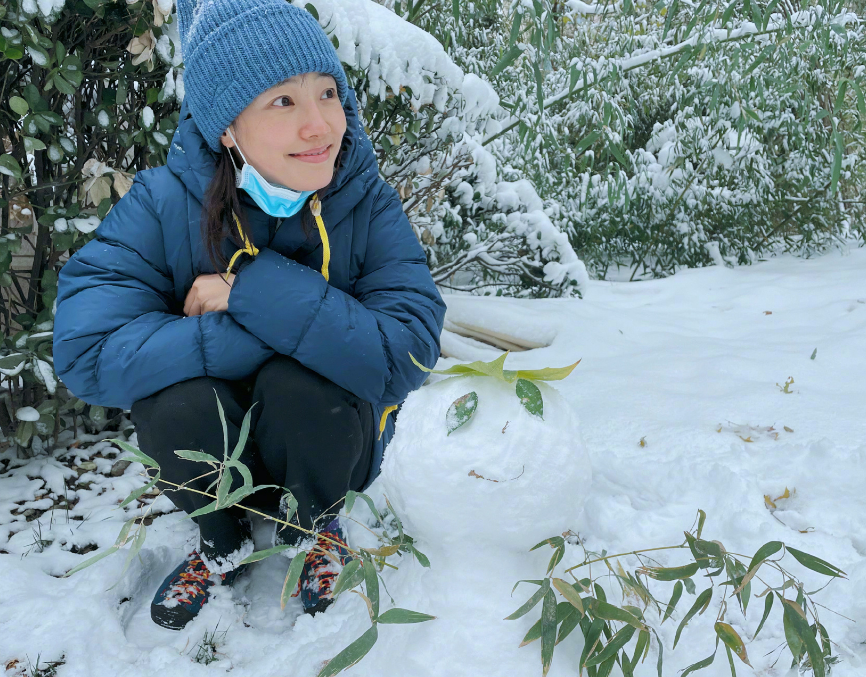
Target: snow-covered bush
point(88, 97)
point(483, 231)
point(679, 134)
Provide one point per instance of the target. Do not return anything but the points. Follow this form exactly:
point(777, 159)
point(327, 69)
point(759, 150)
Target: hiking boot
point(184, 592)
point(322, 568)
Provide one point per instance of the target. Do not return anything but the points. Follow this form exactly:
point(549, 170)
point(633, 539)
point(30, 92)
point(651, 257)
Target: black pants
point(306, 434)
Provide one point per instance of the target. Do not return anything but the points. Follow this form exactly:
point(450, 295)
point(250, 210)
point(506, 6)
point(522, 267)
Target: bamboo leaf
point(571, 595)
point(816, 564)
point(732, 640)
point(699, 606)
point(618, 641)
point(92, 560)
point(371, 583)
point(548, 630)
point(837, 162)
point(701, 664)
point(401, 616)
point(196, 456)
point(591, 638)
point(206, 510)
point(263, 554)
point(672, 573)
point(675, 597)
point(800, 627)
point(549, 373)
point(608, 612)
point(531, 602)
point(768, 605)
point(293, 575)
point(139, 455)
point(351, 576)
point(352, 653)
point(140, 491)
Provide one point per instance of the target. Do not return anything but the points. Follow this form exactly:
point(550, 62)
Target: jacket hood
point(191, 159)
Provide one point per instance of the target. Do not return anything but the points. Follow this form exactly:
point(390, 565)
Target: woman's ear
point(226, 140)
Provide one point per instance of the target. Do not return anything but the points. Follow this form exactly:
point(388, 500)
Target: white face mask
point(273, 199)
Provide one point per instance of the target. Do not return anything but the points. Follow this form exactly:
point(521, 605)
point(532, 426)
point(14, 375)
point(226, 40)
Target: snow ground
point(670, 361)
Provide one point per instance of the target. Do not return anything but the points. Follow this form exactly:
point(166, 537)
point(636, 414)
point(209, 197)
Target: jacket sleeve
point(116, 339)
point(359, 342)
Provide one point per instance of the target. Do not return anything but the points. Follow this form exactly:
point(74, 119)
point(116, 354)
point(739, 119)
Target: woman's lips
point(323, 154)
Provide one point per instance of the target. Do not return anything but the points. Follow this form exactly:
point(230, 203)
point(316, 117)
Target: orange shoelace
point(192, 582)
point(320, 560)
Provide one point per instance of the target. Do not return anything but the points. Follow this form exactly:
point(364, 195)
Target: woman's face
point(280, 129)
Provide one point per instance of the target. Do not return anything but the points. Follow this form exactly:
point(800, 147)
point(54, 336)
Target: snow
point(147, 117)
point(27, 414)
point(690, 364)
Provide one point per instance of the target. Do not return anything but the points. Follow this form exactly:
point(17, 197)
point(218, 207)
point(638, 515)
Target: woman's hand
point(209, 293)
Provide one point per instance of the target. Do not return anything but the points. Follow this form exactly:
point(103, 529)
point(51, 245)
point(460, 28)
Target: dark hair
point(221, 200)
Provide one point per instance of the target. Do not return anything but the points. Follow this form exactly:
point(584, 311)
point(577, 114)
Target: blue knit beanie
point(233, 50)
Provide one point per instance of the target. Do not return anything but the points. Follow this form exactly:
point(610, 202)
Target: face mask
point(273, 199)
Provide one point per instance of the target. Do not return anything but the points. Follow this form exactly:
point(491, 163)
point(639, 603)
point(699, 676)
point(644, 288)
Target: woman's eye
point(330, 93)
point(283, 101)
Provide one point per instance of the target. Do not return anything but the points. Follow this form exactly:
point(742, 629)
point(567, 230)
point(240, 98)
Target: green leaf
point(351, 576)
point(700, 605)
point(196, 456)
point(672, 573)
point(371, 583)
point(571, 595)
point(8, 163)
point(765, 551)
point(701, 664)
point(350, 502)
point(140, 491)
point(206, 510)
point(732, 640)
point(461, 411)
point(590, 638)
point(420, 556)
point(798, 626)
point(608, 612)
point(660, 662)
point(569, 623)
point(837, 162)
point(530, 397)
point(768, 604)
point(138, 454)
point(548, 630)
point(19, 105)
point(507, 59)
point(400, 616)
point(815, 563)
point(293, 575)
point(244, 434)
point(618, 641)
point(64, 86)
point(312, 10)
point(263, 554)
point(134, 549)
point(92, 560)
point(706, 553)
point(351, 654)
point(675, 597)
point(531, 602)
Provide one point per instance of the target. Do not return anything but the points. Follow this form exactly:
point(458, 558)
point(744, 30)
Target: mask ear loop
point(237, 145)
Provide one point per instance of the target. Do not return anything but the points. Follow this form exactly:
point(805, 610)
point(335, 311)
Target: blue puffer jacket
point(120, 334)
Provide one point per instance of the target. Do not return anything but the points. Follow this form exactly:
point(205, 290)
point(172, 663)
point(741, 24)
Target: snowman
point(477, 484)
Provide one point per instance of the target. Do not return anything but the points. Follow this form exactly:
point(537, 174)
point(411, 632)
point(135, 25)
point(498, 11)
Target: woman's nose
point(314, 122)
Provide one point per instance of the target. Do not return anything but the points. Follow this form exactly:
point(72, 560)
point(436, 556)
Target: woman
point(267, 264)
